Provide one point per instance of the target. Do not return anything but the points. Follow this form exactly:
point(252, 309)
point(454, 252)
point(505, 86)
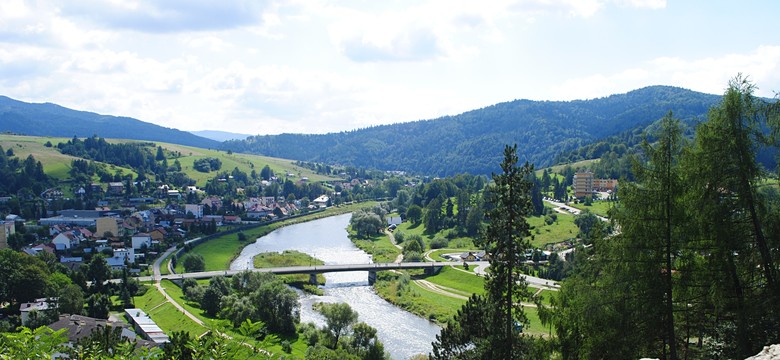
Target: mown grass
point(379, 246)
point(413, 298)
point(286, 259)
point(600, 208)
point(453, 278)
point(167, 317)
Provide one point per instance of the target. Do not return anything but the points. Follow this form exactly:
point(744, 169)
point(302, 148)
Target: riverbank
point(220, 251)
point(434, 297)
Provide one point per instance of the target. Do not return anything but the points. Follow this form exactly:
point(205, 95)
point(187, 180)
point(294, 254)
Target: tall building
point(7, 228)
point(582, 184)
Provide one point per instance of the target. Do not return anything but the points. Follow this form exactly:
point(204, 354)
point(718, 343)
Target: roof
point(38, 305)
point(147, 325)
point(78, 327)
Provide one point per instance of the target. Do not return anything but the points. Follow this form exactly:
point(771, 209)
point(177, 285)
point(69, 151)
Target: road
point(316, 269)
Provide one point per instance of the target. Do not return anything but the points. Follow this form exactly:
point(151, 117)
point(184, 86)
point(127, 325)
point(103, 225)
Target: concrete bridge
point(429, 267)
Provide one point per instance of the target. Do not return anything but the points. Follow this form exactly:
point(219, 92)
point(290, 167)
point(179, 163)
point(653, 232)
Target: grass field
point(600, 208)
point(562, 229)
point(57, 164)
point(379, 246)
point(165, 314)
point(54, 163)
point(467, 282)
point(289, 258)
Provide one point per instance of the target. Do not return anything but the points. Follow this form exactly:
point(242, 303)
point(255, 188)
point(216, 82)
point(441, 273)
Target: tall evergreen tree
point(733, 231)
point(653, 221)
point(489, 327)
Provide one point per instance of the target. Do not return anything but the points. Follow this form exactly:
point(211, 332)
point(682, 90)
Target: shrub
point(439, 243)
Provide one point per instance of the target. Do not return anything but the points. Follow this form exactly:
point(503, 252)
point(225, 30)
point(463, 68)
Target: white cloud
point(168, 16)
point(709, 75)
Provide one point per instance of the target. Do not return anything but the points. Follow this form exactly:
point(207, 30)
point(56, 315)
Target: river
point(403, 334)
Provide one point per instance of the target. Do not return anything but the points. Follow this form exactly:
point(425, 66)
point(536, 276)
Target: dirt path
point(400, 257)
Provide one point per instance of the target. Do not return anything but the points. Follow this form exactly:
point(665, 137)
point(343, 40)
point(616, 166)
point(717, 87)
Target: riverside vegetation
point(690, 274)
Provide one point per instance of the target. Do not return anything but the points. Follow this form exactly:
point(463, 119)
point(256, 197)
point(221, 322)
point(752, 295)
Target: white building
point(141, 239)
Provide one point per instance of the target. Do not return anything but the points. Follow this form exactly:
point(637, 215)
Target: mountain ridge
point(49, 119)
point(473, 141)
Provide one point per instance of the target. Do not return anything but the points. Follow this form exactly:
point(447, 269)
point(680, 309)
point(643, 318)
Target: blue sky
point(270, 67)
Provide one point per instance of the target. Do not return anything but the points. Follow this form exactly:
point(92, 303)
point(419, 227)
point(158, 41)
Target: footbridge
point(429, 267)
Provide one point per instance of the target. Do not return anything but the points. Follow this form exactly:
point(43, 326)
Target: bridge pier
point(433, 270)
point(313, 279)
point(371, 277)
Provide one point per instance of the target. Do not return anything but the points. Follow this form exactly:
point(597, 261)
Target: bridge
point(429, 267)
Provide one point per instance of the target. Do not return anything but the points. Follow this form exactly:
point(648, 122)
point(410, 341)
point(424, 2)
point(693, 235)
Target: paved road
point(158, 262)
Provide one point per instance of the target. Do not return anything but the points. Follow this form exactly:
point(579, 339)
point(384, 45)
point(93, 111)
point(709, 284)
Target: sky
point(309, 66)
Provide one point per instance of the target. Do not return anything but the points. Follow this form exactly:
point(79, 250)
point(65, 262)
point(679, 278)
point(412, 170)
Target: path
point(161, 289)
point(158, 277)
point(400, 256)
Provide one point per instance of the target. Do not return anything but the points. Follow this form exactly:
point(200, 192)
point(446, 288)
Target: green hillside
point(58, 165)
point(472, 142)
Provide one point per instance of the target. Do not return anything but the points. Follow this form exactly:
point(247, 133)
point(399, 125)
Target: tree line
point(693, 271)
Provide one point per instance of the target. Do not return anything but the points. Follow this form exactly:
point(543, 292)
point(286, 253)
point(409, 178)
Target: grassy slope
point(54, 163)
point(379, 246)
point(165, 314)
point(597, 207)
point(58, 165)
point(562, 229)
point(174, 291)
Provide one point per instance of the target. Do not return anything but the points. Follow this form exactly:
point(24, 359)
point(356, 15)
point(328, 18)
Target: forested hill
point(53, 120)
point(473, 141)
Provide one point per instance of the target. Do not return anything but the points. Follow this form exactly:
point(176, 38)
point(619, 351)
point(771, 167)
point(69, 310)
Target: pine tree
point(490, 326)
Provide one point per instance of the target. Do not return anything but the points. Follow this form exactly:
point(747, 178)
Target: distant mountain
point(220, 135)
point(473, 141)
point(53, 120)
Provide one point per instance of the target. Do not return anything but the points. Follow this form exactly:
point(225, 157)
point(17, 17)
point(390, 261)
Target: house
point(96, 188)
point(158, 234)
point(7, 228)
point(194, 209)
point(115, 263)
point(85, 233)
point(124, 254)
point(107, 225)
point(43, 304)
point(213, 202)
point(140, 240)
point(174, 194)
point(51, 194)
point(393, 220)
point(145, 326)
point(116, 188)
point(321, 201)
point(217, 219)
point(66, 240)
point(78, 327)
point(475, 256)
point(231, 219)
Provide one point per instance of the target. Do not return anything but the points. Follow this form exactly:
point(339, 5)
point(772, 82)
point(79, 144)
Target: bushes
point(193, 262)
point(207, 164)
point(439, 243)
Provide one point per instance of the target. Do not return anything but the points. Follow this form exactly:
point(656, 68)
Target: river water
point(402, 333)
